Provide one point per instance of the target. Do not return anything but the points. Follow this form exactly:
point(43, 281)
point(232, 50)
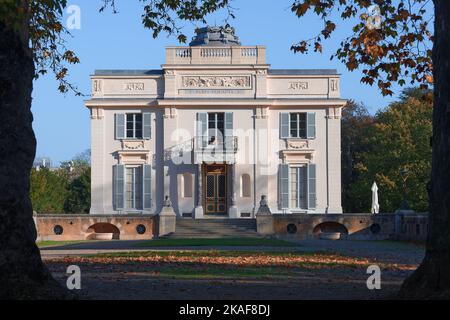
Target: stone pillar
point(167, 219)
point(264, 218)
point(198, 212)
point(233, 212)
point(334, 160)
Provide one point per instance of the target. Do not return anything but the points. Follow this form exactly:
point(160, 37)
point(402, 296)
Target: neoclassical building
point(215, 130)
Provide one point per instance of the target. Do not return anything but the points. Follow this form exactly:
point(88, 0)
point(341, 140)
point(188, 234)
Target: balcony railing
point(216, 55)
point(213, 146)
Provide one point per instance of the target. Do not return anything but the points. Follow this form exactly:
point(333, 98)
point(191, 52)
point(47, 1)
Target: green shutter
point(284, 126)
point(147, 187)
point(228, 131)
point(311, 125)
point(120, 126)
point(146, 125)
point(312, 186)
point(119, 186)
point(202, 130)
point(283, 174)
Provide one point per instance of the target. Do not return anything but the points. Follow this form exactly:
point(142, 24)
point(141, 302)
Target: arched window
point(187, 185)
point(246, 188)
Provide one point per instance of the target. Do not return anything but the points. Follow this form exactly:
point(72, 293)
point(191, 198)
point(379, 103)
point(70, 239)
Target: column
point(233, 212)
point(198, 212)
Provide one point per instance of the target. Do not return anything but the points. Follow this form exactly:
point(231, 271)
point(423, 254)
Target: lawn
point(223, 242)
point(46, 244)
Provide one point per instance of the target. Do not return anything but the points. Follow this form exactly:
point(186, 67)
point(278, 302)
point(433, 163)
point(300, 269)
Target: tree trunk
point(432, 279)
point(22, 273)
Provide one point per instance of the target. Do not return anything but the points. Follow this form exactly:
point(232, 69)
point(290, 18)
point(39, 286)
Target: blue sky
point(119, 41)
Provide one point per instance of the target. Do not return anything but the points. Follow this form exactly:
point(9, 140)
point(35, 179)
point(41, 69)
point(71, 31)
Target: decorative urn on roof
point(215, 36)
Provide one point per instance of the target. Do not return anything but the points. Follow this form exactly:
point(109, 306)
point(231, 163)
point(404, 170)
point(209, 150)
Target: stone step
point(207, 236)
point(190, 222)
point(217, 228)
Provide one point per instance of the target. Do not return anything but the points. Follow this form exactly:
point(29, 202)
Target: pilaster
point(198, 212)
point(334, 160)
point(262, 157)
point(234, 210)
point(97, 161)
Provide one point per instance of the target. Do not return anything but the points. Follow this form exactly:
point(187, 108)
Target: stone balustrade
point(216, 55)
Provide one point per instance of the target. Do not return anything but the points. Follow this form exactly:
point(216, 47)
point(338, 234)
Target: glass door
point(133, 188)
point(215, 190)
point(299, 187)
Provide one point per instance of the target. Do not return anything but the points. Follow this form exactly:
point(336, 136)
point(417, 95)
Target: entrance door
point(215, 189)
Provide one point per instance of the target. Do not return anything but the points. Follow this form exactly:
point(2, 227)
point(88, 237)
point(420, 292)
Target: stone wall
point(412, 227)
point(91, 227)
point(398, 226)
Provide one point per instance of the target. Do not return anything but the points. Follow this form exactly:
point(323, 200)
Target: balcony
point(215, 151)
point(216, 55)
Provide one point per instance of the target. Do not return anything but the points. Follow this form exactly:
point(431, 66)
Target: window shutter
point(228, 131)
point(202, 130)
point(119, 186)
point(311, 125)
point(120, 126)
point(284, 126)
point(312, 186)
point(283, 174)
point(147, 187)
point(146, 126)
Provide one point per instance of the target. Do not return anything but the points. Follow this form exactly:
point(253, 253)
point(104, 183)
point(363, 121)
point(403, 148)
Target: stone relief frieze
point(232, 82)
point(334, 84)
point(298, 145)
point(133, 145)
point(97, 86)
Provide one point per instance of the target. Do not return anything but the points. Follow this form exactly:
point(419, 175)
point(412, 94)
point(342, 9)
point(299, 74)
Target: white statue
point(375, 204)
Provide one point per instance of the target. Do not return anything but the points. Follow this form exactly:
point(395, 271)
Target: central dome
point(215, 36)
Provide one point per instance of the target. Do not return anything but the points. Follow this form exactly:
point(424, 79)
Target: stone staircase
point(214, 228)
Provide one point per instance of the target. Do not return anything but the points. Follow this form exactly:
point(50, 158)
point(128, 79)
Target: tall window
point(299, 187)
point(134, 125)
point(298, 125)
point(133, 188)
point(216, 127)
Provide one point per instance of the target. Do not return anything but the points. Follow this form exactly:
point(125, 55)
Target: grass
point(205, 253)
point(223, 242)
point(46, 244)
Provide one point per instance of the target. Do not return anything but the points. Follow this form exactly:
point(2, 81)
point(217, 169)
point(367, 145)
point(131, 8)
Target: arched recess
point(330, 227)
point(103, 228)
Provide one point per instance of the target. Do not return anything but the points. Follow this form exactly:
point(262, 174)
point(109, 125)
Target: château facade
point(214, 131)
